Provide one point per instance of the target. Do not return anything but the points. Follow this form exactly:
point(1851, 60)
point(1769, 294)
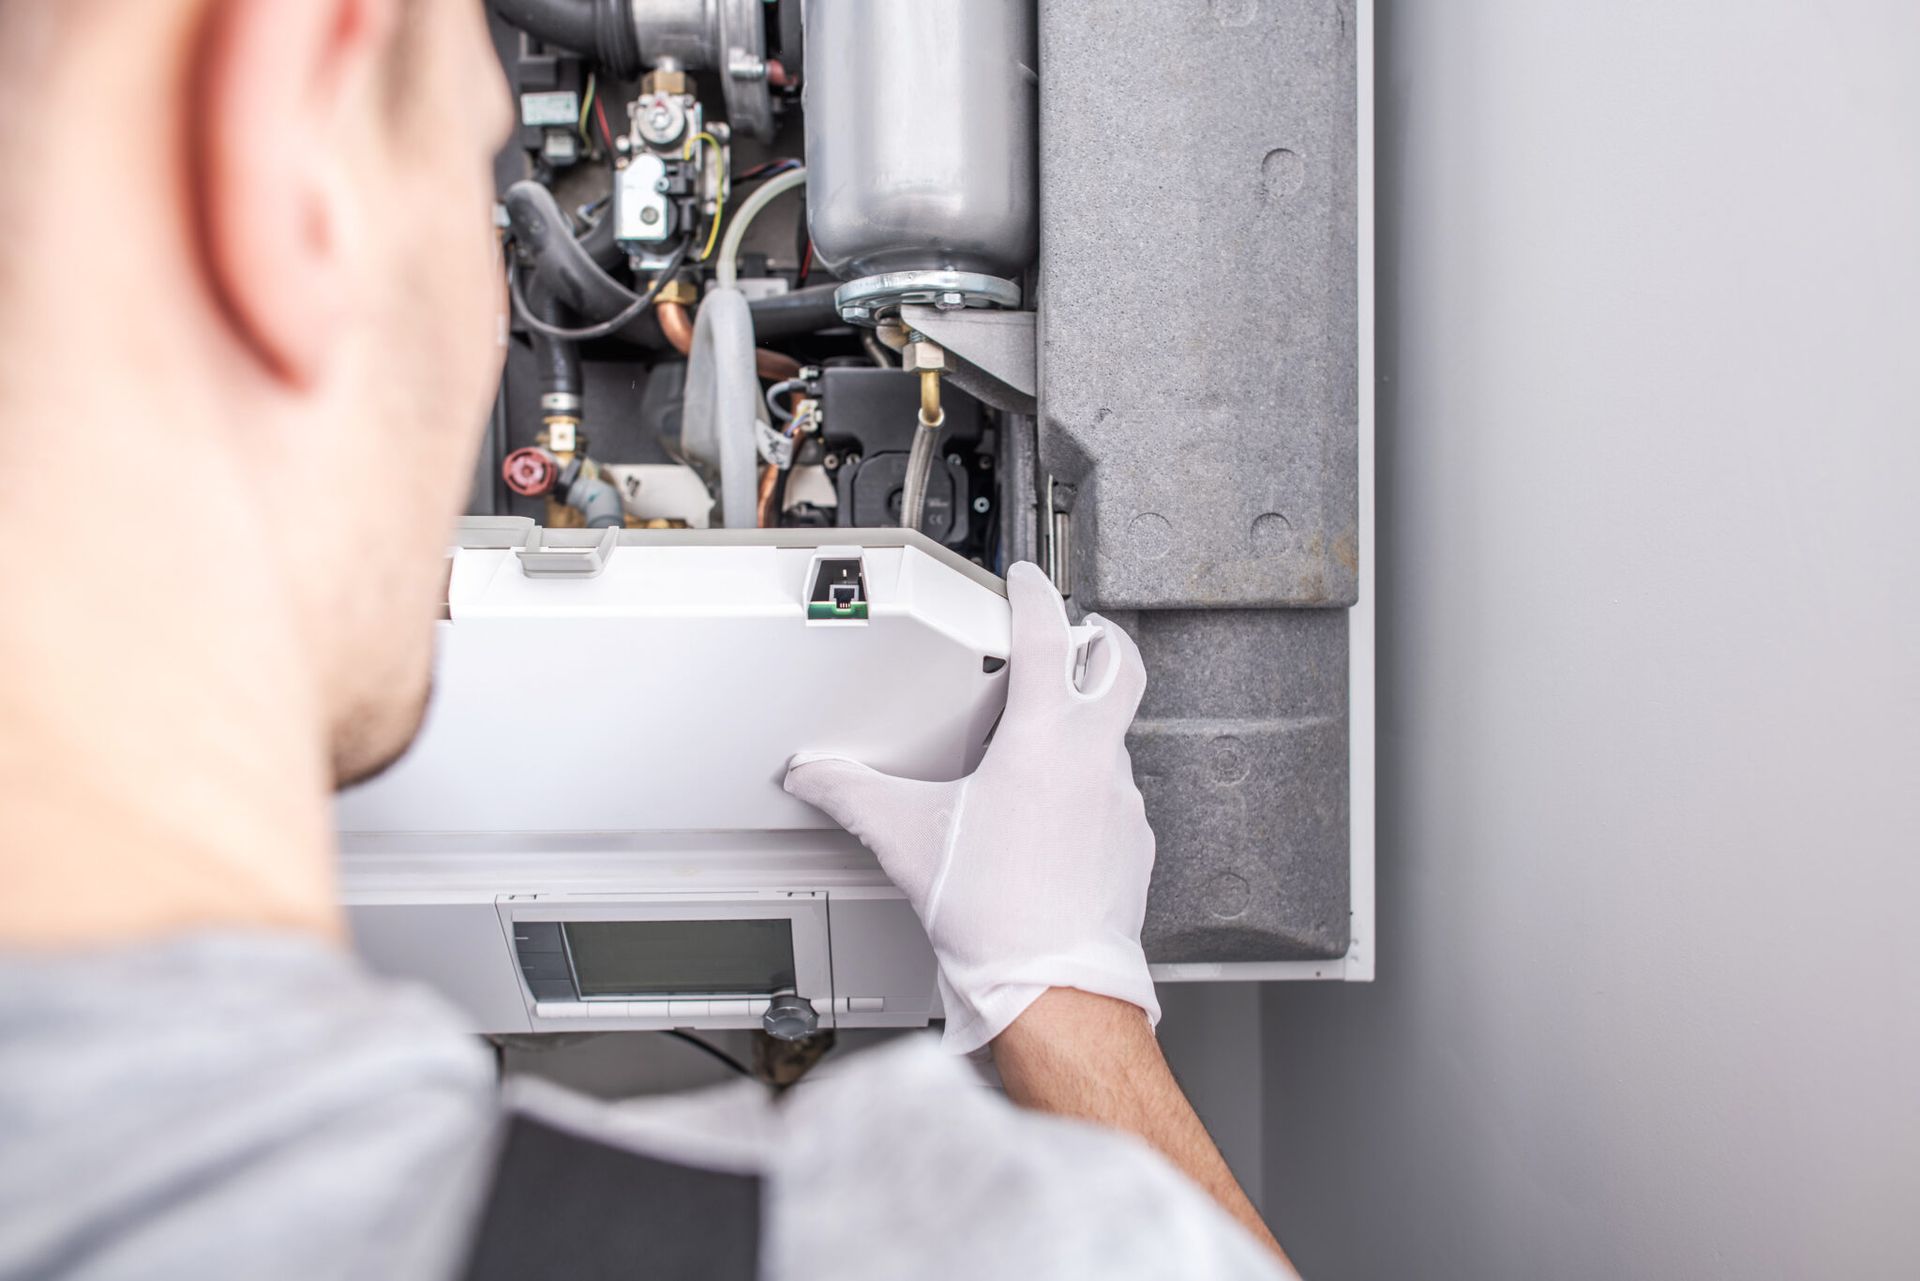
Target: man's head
point(249, 241)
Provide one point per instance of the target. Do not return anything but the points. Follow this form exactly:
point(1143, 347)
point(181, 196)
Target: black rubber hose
point(564, 270)
point(600, 244)
point(558, 359)
point(600, 29)
point(803, 311)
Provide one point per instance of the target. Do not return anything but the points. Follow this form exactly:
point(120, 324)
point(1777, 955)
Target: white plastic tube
point(723, 403)
point(727, 269)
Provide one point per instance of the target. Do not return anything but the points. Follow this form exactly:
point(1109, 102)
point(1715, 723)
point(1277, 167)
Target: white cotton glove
point(1031, 872)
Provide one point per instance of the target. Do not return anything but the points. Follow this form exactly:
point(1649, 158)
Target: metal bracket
point(538, 560)
point(993, 352)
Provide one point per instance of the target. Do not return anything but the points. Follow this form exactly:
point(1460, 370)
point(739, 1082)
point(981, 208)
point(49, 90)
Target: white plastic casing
point(668, 692)
point(612, 743)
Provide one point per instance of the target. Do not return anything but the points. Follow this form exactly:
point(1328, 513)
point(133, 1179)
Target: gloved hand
point(1031, 872)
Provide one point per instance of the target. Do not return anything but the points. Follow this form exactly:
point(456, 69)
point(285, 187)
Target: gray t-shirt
point(258, 1106)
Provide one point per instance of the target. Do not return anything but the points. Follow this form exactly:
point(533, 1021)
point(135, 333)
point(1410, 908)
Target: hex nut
point(675, 82)
point(923, 354)
point(680, 290)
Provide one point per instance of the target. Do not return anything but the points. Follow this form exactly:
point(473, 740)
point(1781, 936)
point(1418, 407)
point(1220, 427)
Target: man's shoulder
point(238, 1096)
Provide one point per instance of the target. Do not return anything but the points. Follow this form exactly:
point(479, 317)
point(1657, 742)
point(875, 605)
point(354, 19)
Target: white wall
point(1649, 1003)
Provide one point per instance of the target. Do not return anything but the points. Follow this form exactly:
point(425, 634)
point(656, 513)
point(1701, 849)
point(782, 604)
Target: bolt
point(623, 144)
point(981, 504)
point(855, 313)
point(660, 185)
point(831, 462)
point(649, 215)
point(953, 460)
point(950, 301)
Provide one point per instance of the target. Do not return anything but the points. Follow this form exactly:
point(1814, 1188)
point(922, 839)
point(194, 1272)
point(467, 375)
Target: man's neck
point(159, 769)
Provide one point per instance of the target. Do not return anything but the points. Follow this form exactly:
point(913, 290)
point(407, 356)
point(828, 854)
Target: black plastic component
point(790, 40)
point(870, 415)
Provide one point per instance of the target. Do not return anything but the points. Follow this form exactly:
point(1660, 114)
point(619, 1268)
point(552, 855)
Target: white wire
point(727, 270)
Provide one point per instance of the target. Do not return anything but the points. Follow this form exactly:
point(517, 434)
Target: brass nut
point(680, 290)
point(921, 355)
point(665, 82)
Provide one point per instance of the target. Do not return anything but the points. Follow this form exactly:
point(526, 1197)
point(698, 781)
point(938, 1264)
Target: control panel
point(663, 960)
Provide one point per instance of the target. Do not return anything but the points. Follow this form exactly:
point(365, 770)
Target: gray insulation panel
point(1199, 407)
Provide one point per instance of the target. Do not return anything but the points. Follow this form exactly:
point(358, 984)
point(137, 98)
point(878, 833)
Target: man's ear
point(278, 84)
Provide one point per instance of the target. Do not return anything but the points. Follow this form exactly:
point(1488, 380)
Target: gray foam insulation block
point(1199, 408)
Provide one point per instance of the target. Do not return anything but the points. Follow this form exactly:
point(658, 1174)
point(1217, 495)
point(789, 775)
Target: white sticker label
point(561, 108)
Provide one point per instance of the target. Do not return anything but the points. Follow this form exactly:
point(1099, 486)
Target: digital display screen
point(673, 958)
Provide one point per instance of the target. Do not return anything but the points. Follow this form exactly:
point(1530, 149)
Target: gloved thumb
point(904, 821)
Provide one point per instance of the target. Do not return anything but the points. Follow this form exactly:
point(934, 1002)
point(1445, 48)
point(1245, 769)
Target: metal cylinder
point(727, 37)
point(921, 147)
point(687, 31)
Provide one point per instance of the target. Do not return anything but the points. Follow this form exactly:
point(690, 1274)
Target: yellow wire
point(586, 105)
point(720, 200)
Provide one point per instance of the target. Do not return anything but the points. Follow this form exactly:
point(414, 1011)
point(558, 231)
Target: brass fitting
point(922, 354)
point(675, 82)
point(930, 397)
point(681, 290)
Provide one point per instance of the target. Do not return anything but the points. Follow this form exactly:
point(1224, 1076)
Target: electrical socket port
point(839, 592)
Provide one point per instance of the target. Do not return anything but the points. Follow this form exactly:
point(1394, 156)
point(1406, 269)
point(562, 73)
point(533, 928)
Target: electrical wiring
point(586, 107)
point(768, 170)
point(712, 1051)
point(720, 199)
point(606, 327)
point(780, 389)
point(600, 114)
point(772, 478)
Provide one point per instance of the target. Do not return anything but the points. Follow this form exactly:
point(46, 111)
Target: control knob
point(790, 1018)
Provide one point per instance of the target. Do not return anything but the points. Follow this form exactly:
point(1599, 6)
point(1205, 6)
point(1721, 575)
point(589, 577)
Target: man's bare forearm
point(1096, 1059)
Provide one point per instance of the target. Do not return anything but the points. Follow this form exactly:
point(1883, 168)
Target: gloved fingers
point(850, 793)
point(1041, 664)
point(904, 821)
point(1116, 674)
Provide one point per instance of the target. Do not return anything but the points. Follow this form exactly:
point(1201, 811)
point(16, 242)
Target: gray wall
point(1649, 1003)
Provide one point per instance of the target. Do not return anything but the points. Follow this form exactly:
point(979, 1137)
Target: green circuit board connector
point(839, 593)
point(827, 611)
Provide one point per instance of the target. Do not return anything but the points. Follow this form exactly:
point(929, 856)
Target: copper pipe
point(768, 476)
point(676, 325)
point(678, 328)
point(774, 366)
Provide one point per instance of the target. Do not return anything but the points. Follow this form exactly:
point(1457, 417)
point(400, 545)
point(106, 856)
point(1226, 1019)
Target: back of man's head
point(249, 330)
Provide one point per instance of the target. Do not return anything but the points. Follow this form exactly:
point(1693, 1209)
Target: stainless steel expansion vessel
point(921, 149)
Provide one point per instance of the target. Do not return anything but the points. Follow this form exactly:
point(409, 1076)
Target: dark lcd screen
point(672, 958)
